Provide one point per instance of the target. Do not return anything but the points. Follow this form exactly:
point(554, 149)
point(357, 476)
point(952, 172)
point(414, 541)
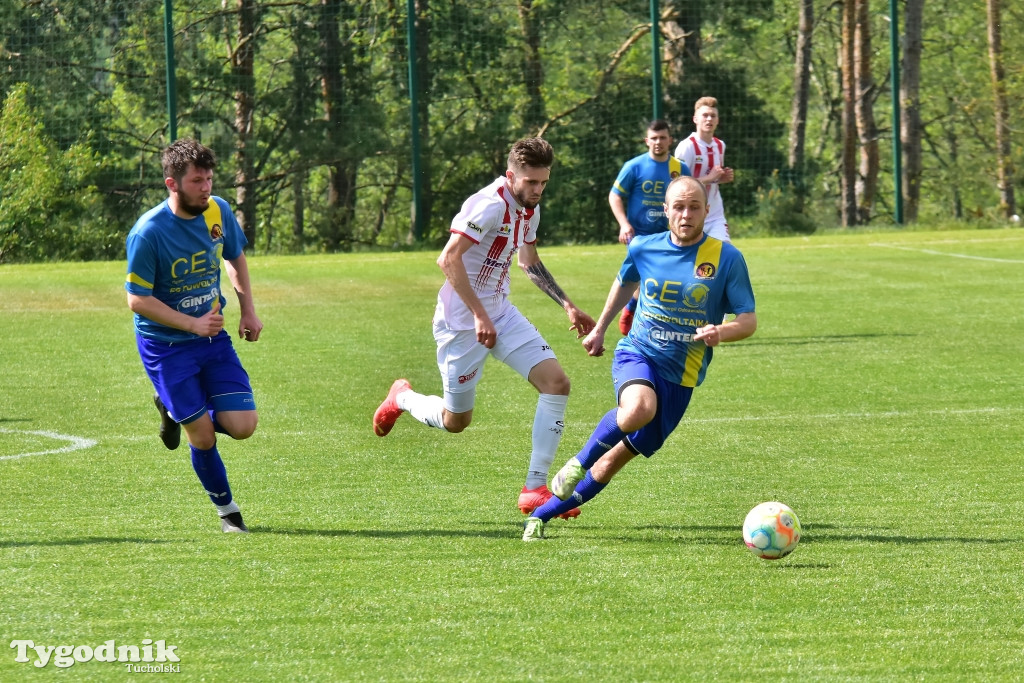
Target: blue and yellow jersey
point(178, 261)
point(682, 289)
point(641, 183)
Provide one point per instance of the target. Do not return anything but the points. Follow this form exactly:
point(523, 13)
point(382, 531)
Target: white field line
point(78, 443)
point(945, 253)
point(75, 443)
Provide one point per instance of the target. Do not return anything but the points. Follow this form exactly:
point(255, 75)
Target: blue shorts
point(195, 376)
point(632, 368)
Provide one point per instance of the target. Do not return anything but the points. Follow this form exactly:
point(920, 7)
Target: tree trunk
point(242, 61)
point(867, 131)
point(801, 86)
point(298, 208)
point(533, 68)
point(911, 129)
point(1004, 162)
point(953, 140)
point(848, 199)
point(335, 233)
point(680, 26)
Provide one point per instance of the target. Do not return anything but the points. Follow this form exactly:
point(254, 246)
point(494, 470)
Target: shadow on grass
point(821, 339)
point(819, 533)
point(15, 419)
point(383, 533)
point(87, 540)
point(710, 535)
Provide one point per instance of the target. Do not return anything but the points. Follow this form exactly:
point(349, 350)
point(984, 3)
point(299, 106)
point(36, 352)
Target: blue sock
point(585, 490)
point(631, 306)
point(210, 469)
point(216, 425)
point(606, 434)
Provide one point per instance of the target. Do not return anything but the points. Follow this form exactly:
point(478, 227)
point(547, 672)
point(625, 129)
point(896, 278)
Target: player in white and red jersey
point(705, 155)
point(474, 317)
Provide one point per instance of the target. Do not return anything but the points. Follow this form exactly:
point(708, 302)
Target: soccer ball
point(771, 530)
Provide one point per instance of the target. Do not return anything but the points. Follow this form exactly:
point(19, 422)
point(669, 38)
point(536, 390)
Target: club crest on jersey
point(215, 231)
point(698, 159)
point(505, 230)
point(695, 296)
point(705, 271)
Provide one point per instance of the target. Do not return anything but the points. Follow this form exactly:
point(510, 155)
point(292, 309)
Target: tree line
point(309, 106)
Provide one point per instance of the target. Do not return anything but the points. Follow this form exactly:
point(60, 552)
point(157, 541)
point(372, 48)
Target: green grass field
point(882, 398)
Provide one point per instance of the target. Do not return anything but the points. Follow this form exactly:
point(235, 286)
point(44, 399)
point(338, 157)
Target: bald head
point(686, 205)
point(684, 180)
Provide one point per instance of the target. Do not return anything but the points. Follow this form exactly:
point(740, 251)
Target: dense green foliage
point(867, 400)
point(326, 156)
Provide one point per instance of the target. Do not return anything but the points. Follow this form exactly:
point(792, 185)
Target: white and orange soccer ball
point(771, 530)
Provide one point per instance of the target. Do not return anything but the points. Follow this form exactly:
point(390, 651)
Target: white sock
point(548, 423)
point(427, 409)
point(227, 509)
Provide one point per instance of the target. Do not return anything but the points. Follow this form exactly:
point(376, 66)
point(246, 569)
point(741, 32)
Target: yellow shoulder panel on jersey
point(213, 220)
point(708, 253)
point(675, 167)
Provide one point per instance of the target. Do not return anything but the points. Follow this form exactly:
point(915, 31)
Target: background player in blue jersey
point(637, 198)
point(175, 253)
point(686, 281)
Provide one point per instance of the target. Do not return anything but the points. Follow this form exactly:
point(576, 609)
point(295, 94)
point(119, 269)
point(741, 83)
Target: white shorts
point(460, 357)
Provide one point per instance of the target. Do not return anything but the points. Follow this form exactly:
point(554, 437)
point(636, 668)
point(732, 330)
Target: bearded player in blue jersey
point(175, 253)
point(637, 198)
point(686, 281)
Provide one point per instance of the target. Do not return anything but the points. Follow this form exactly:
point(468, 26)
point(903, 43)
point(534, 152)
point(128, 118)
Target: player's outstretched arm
point(539, 275)
point(618, 295)
point(740, 327)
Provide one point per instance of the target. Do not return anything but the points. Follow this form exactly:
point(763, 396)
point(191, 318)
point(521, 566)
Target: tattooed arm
point(539, 275)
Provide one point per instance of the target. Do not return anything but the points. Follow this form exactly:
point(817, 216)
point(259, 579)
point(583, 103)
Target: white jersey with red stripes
point(497, 225)
point(701, 157)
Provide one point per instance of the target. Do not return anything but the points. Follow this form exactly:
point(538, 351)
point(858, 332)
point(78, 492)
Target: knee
point(244, 433)
point(561, 386)
point(548, 377)
point(557, 385)
point(633, 417)
point(203, 443)
point(202, 439)
point(456, 422)
point(243, 429)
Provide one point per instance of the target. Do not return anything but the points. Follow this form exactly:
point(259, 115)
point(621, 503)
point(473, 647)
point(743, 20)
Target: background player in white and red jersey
point(705, 155)
point(474, 317)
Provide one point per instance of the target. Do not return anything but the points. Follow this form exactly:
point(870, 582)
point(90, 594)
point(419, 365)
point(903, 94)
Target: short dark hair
point(658, 124)
point(180, 153)
point(534, 152)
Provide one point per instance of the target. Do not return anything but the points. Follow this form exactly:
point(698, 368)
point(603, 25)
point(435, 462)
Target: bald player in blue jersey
point(686, 281)
point(175, 253)
point(637, 198)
